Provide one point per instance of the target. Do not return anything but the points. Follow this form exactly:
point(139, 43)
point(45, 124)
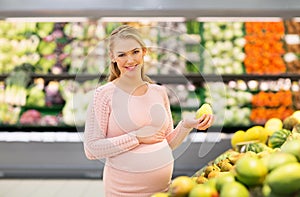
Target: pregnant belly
point(143, 158)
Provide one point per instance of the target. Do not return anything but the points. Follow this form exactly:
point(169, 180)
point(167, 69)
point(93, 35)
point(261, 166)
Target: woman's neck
point(130, 81)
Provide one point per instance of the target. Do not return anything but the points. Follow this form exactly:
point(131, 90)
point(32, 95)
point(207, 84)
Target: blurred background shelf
point(155, 8)
point(53, 159)
point(197, 79)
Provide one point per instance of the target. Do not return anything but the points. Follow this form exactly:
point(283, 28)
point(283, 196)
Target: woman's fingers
point(206, 122)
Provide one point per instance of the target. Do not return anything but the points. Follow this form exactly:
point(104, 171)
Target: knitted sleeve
point(96, 144)
point(174, 136)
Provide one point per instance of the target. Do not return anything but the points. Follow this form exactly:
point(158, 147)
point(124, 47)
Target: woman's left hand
point(201, 123)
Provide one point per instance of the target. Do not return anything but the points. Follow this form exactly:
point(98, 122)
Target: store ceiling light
point(142, 19)
point(239, 19)
point(47, 19)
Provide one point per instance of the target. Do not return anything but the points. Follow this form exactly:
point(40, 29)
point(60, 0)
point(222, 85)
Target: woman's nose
point(130, 58)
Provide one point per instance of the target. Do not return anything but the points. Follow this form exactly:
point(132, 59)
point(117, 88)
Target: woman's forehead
point(125, 45)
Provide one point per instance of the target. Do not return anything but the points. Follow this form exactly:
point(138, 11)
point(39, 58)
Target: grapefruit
point(250, 170)
point(278, 159)
point(181, 186)
point(203, 191)
point(222, 180)
point(292, 147)
point(285, 179)
point(234, 189)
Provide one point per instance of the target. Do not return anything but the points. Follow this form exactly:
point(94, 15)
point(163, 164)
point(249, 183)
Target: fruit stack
point(264, 48)
point(271, 104)
point(250, 168)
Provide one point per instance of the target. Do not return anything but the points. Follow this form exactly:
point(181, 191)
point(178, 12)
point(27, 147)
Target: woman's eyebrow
point(128, 51)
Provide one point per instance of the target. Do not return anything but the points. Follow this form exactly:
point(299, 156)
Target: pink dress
point(113, 120)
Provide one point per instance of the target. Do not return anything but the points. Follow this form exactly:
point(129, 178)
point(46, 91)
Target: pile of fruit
point(263, 162)
point(264, 48)
point(266, 105)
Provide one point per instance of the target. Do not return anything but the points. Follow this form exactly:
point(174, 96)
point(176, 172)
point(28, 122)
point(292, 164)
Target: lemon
point(253, 133)
point(263, 135)
point(238, 136)
point(204, 109)
point(273, 124)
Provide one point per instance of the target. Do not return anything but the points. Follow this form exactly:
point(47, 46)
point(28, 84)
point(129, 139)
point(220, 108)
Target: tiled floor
point(51, 188)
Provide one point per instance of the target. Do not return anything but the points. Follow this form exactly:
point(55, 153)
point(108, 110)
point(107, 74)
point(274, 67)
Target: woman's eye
point(121, 55)
point(136, 52)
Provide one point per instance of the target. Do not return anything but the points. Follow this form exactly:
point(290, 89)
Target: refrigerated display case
point(55, 157)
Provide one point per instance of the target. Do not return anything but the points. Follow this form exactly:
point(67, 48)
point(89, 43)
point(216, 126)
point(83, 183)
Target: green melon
point(278, 138)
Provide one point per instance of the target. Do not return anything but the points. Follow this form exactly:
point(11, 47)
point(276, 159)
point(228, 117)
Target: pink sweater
point(113, 120)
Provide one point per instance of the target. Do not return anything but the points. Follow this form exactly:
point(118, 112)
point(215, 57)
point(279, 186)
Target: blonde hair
point(124, 32)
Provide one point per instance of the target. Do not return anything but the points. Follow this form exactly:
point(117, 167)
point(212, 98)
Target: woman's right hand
point(150, 135)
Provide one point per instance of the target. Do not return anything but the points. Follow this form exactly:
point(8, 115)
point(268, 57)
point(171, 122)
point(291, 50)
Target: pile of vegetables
point(86, 52)
point(16, 86)
point(264, 48)
point(223, 43)
point(18, 45)
point(230, 101)
point(171, 48)
point(77, 97)
point(292, 44)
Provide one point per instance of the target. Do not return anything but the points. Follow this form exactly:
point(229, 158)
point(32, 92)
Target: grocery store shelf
point(196, 79)
point(40, 128)
point(67, 160)
point(154, 8)
point(17, 128)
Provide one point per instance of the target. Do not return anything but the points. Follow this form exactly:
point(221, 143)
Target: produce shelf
point(29, 128)
point(197, 79)
point(65, 128)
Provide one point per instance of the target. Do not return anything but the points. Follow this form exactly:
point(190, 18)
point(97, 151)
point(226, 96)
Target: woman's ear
point(144, 50)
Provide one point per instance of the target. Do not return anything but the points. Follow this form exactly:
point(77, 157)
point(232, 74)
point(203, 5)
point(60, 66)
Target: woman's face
point(128, 54)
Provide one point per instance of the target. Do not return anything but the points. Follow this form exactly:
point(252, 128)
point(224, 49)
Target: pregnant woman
point(129, 123)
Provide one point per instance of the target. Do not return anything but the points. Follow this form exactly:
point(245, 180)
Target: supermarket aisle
point(50, 188)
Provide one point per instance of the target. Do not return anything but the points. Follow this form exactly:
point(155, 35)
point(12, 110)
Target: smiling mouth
point(130, 67)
